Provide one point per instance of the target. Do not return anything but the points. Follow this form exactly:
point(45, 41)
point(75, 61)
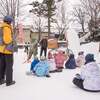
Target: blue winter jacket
point(42, 68)
point(71, 64)
point(34, 62)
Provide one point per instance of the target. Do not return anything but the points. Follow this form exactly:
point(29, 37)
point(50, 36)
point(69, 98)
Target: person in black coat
point(44, 45)
point(70, 63)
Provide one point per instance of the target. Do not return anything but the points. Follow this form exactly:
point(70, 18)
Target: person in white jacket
point(89, 79)
point(80, 59)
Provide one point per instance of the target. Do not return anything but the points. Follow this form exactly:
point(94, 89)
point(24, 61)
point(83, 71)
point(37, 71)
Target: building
point(29, 34)
point(35, 35)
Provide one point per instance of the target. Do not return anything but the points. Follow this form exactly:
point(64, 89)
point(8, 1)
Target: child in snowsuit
point(42, 68)
point(51, 62)
point(70, 63)
point(33, 64)
point(59, 60)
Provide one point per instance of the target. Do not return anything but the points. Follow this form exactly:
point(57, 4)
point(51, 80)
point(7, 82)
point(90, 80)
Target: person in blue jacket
point(33, 64)
point(42, 68)
point(70, 63)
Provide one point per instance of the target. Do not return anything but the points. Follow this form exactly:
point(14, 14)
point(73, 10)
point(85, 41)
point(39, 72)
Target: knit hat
point(8, 19)
point(89, 58)
point(71, 56)
point(81, 53)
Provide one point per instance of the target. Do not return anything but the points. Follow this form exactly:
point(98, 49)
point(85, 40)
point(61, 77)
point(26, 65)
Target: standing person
point(44, 44)
point(33, 50)
point(6, 52)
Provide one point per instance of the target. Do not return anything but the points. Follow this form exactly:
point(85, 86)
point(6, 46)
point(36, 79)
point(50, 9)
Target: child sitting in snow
point(52, 63)
point(89, 79)
point(59, 60)
point(33, 64)
point(80, 59)
point(42, 68)
point(70, 63)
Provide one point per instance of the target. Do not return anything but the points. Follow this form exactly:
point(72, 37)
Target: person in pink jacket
point(59, 60)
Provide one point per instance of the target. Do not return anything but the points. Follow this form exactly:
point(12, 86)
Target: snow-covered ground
point(58, 87)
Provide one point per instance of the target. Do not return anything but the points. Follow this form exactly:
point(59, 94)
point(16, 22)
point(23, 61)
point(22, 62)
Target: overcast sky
point(28, 17)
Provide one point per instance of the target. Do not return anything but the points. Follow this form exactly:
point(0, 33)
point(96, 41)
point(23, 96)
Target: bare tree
point(47, 9)
point(10, 7)
point(38, 25)
point(37, 12)
point(80, 17)
point(89, 11)
point(62, 20)
point(92, 10)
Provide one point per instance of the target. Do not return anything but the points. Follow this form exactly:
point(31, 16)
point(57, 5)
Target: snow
point(58, 87)
point(73, 41)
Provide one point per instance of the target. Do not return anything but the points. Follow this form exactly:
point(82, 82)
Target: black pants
point(45, 51)
point(79, 83)
point(6, 67)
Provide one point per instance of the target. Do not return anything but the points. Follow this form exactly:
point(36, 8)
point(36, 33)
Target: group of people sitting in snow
point(44, 66)
point(56, 61)
point(89, 77)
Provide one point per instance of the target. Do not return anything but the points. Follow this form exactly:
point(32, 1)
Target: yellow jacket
point(7, 37)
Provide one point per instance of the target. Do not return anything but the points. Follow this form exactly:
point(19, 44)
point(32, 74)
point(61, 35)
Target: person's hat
point(8, 19)
point(89, 58)
point(81, 53)
point(71, 56)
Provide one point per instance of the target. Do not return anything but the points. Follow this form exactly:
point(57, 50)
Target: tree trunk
point(49, 31)
point(99, 46)
point(49, 13)
point(39, 36)
point(83, 28)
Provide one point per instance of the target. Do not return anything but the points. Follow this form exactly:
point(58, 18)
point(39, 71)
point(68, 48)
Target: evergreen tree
point(46, 9)
point(49, 12)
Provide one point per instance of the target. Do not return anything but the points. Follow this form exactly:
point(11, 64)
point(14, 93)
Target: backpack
point(8, 46)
